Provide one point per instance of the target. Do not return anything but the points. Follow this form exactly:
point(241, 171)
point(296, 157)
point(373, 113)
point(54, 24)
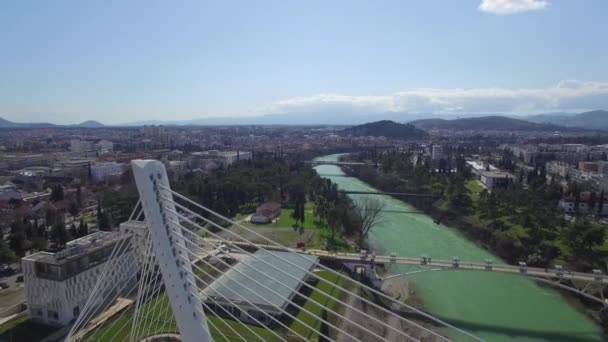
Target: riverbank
point(477, 234)
point(493, 306)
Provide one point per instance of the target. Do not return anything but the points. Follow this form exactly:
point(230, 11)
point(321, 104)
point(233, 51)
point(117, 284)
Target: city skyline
point(123, 62)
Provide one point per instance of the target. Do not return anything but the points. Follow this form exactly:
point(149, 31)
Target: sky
point(122, 61)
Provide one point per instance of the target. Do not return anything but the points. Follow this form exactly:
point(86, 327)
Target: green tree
point(83, 229)
point(103, 220)
point(582, 236)
point(73, 231)
point(73, 209)
point(79, 197)
point(59, 234)
point(7, 255)
point(18, 243)
point(57, 193)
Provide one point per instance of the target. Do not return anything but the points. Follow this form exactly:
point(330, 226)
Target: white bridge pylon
point(199, 280)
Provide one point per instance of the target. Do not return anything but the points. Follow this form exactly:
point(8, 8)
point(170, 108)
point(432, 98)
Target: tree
point(103, 220)
point(59, 234)
point(582, 236)
point(79, 197)
point(18, 243)
point(73, 209)
point(57, 193)
point(7, 256)
point(458, 195)
point(83, 228)
point(367, 214)
point(73, 231)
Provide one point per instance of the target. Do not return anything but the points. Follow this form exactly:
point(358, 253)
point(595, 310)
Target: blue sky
point(120, 61)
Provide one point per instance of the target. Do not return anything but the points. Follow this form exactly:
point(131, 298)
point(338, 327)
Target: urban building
point(104, 146)
point(266, 212)
point(496, 179)
point(79, 146)
point(58, 285)
point(437, 152)
point(100, 172)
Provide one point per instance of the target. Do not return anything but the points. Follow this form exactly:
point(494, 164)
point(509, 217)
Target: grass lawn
point(159, 320)
point(23, 329)
point(11, 297)
point(312, 223)
point(315, 309)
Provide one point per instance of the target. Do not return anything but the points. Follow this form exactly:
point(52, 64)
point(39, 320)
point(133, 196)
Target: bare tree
point(368, 214)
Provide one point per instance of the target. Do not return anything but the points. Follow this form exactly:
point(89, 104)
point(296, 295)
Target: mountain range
point(489, 123)
point(597, 119)
point(594, 120)
point(9, 124)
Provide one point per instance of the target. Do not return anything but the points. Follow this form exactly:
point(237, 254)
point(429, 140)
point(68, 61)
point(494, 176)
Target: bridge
point(322, 162)
point(402, 194)
point(588, 285)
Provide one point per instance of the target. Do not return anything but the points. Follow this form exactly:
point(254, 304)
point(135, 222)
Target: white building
point(569, 206)
point(437, 152)
point(104, 146)
point(496, 179)
point(102, 171)
point(58, 285)
point(224, 157)
point(79, 146)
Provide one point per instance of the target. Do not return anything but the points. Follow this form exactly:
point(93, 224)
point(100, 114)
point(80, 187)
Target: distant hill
point(493, 123)
point(386, 128)
point(91, 124)
point(597, 119)
point(9, 124)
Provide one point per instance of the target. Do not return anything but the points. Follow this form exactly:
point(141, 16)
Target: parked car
point(19, 279)
point(3, 285)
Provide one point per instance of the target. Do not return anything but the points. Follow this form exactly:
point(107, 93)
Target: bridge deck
point(444, 264)
point(462, 265)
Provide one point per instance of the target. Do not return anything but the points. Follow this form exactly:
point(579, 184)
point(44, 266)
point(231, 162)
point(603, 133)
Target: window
point(53, 314)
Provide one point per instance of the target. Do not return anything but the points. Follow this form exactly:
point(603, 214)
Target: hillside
point(492, 123)
point(597, 119)
point(386, 128)
point(91, 124)
point(9, 124)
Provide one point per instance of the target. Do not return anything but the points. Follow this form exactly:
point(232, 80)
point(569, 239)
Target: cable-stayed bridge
point(198, 280)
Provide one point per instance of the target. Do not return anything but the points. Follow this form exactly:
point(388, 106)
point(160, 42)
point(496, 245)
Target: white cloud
point(567, 95)
point(506, 7)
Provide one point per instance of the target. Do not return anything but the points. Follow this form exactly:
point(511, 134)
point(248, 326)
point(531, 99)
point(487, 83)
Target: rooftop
point(78, 247)
point(497, 174)
point(256, 267)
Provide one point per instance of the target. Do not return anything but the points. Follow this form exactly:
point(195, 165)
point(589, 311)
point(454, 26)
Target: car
point(4, 285)
point(19, 279)
point(6, 270)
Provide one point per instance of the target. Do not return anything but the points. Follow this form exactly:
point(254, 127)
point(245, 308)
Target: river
point(492, 306)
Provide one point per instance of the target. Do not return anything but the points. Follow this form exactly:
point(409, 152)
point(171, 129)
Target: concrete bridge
point(402, 194)
point(588, 285)
point(321, 162)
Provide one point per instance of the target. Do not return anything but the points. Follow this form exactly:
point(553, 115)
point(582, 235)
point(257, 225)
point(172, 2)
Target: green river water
point(492, 306)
